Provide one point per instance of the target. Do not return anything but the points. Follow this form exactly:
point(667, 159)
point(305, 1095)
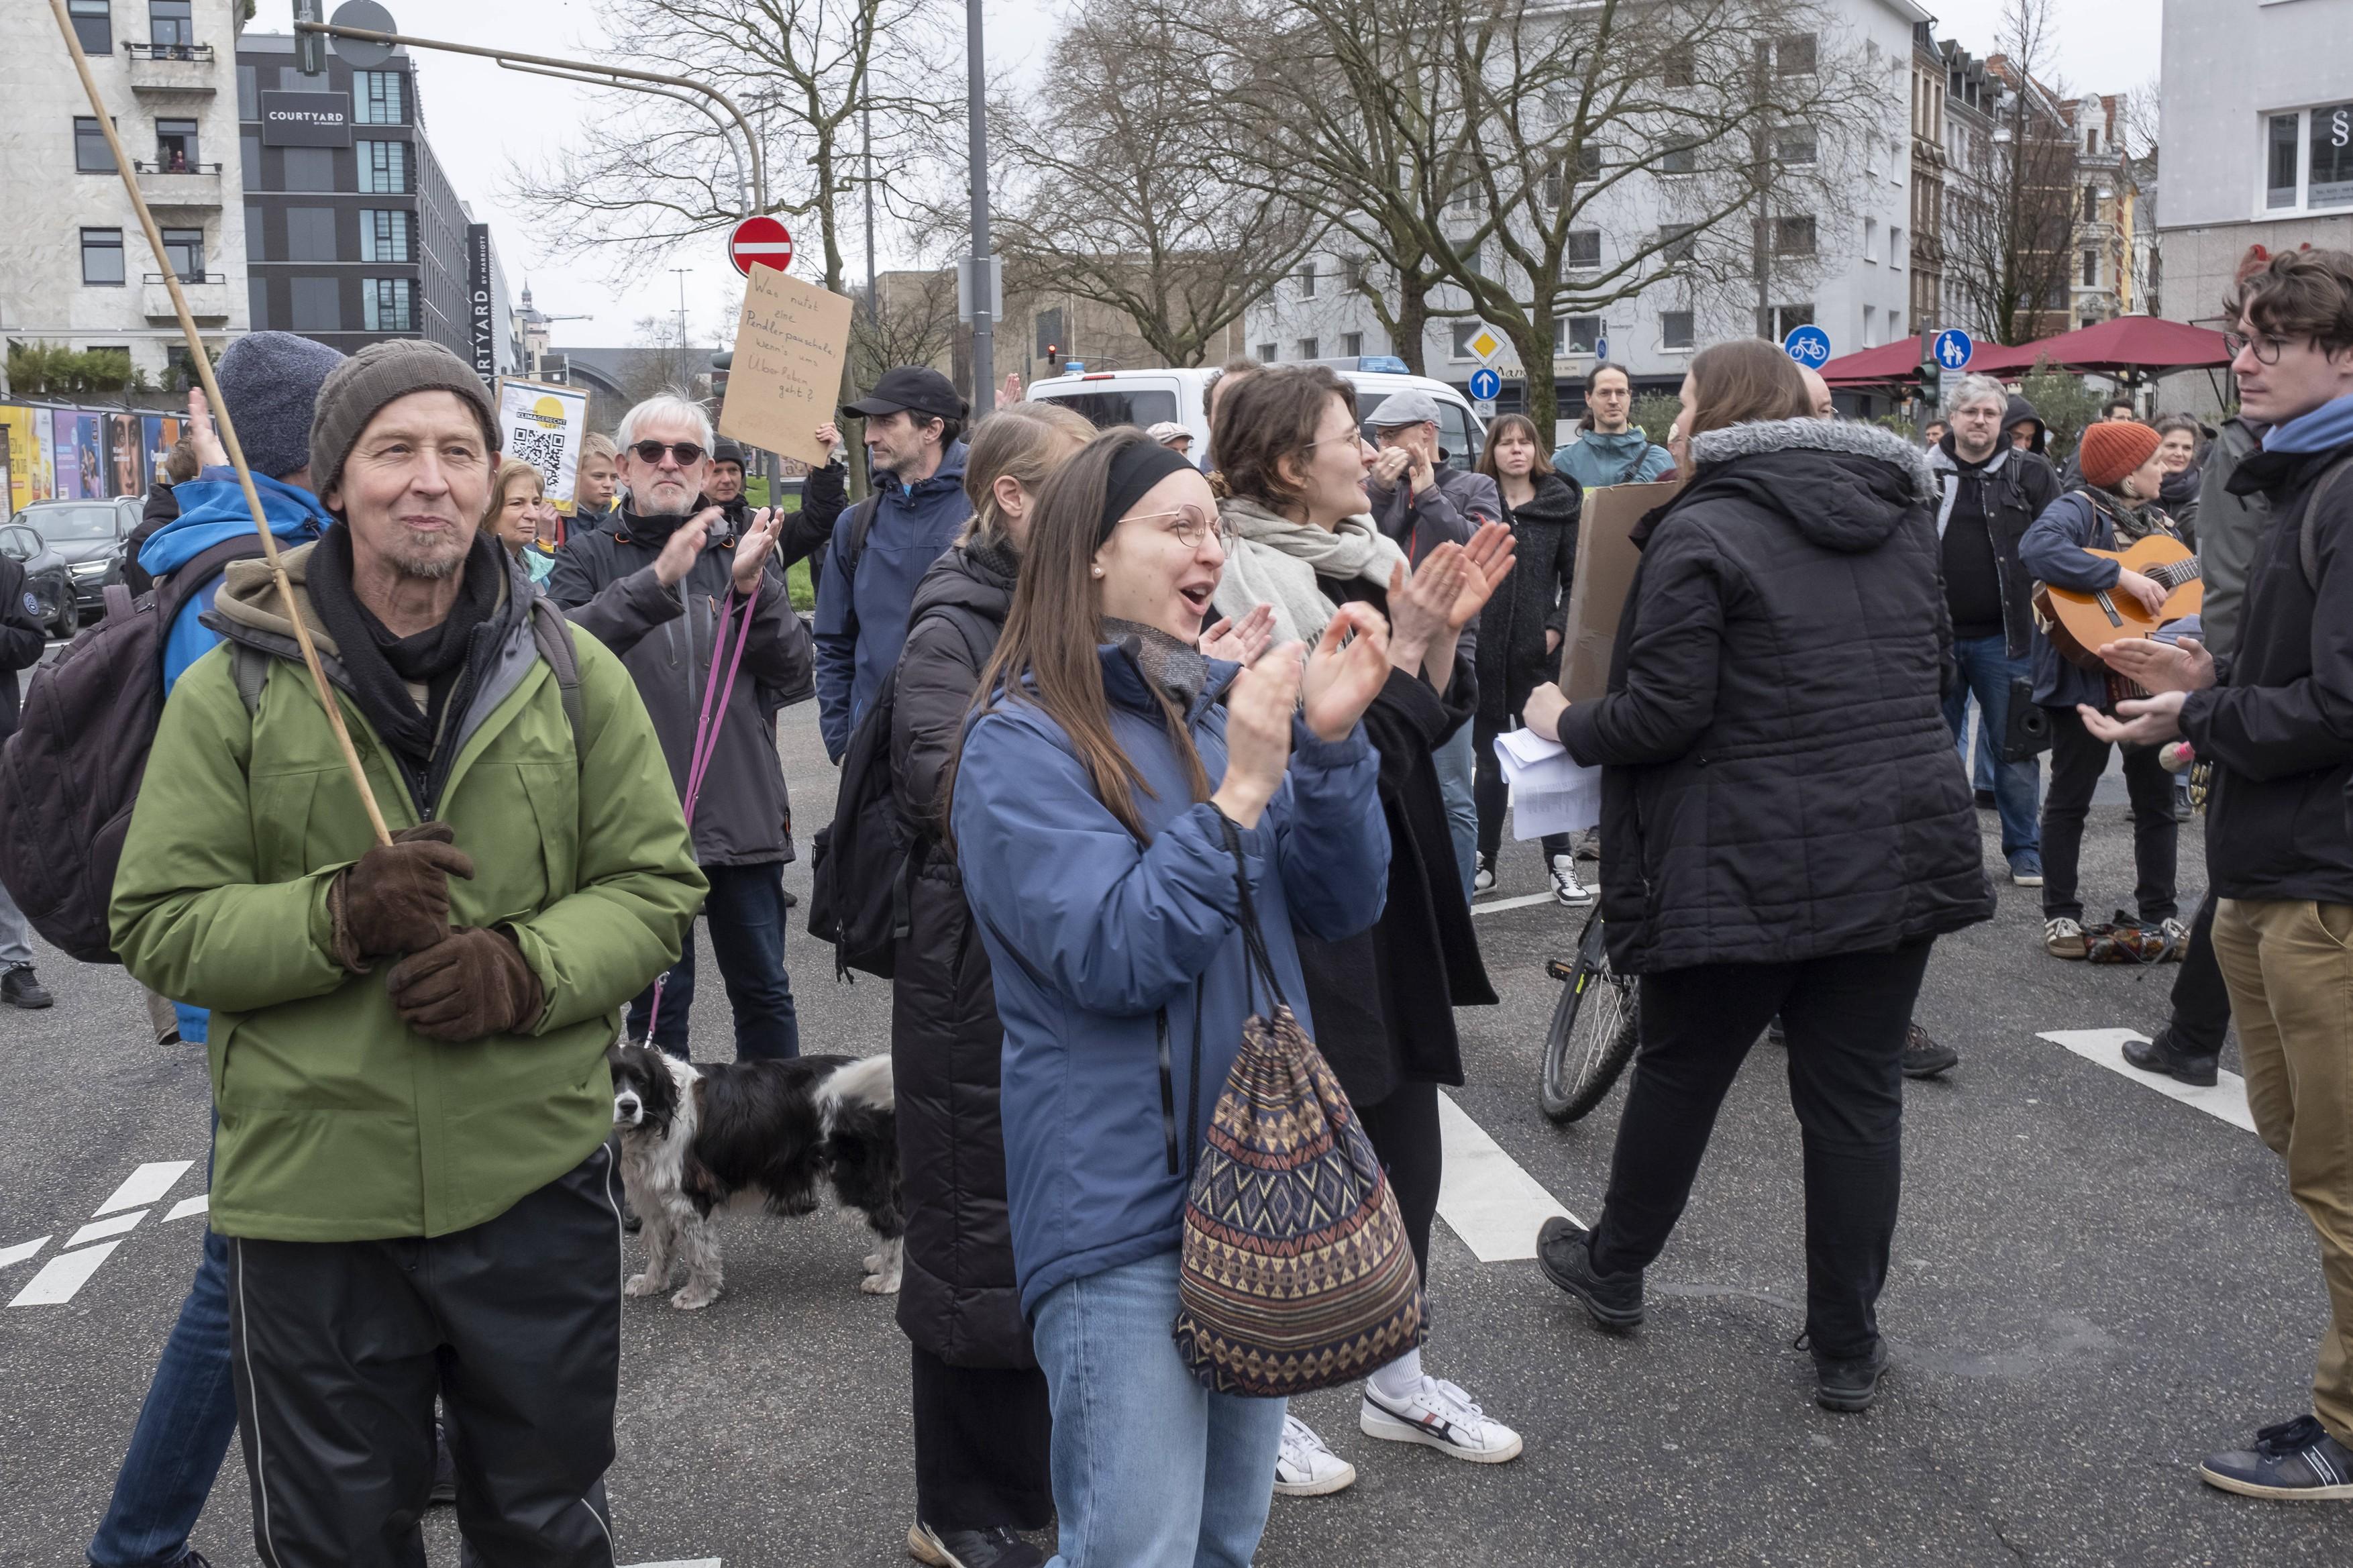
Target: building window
point(1574, 335)
point(384, 236)
point(248, 92)
point(2330, 183)
point(1794, 54)
point(101, 257)
point(1895, 245)
point(2091, 204)
point(183, 252)
point(1309, 347)
point(1682, 158)
point(2091, 141)
point(1795, 147)
point(1780, 321)
point(1795, 236)
point(171, 23)
point(383, 167)
point(257, 303)
point(1870, 322)
point(1678, 243)
point(175, 146)
point(1359, 269)
point(1307, 281)
point(1584, 252)
point(2091, 269)
point(388, 304)
point(310, 168)
point(2322, 175)
point(93, 23)
point(377, 98)
point(92, 155)
point(1870, 241)
point(1679, 65)
point(1266, 353)
point(310, 235)
point(1588, 161)
point(1464, 333)
point(318, 305)
point(1553, 187)
point(256, 246)
point(2280, 183)
point(1676, 329)
point(1468, 256)
point(1352, 344)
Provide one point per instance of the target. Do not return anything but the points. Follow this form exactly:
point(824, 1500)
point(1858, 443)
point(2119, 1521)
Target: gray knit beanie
point(377, 374)
point(271, 382)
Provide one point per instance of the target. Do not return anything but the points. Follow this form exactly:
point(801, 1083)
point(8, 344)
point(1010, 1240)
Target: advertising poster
point(45, 437)
point(544, 426)
point(163, 432)
point(25, 482)
point(125, 448)
point(66, 463)
point(90, 443)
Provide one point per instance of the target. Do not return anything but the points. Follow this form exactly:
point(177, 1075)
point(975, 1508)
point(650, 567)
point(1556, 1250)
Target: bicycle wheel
point(1594, 1029)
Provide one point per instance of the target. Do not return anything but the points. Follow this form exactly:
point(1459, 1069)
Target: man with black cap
point(914, 447)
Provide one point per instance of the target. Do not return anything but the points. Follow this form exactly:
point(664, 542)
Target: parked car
point(1146, 397)
point(89, 535)
point(46, 578)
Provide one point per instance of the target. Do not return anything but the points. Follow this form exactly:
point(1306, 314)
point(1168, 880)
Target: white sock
point(1400, 1380)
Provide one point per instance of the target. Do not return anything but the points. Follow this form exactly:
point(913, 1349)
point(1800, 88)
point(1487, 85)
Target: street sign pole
point(983, 357)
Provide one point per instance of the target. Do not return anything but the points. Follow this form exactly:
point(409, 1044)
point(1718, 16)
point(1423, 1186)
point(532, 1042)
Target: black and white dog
point(765, 1135)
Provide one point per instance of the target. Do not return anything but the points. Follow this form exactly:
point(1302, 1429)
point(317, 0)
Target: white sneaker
point(1483, 880)
point(1441, 1416)
point(1566, 888)
point(1305, 1468)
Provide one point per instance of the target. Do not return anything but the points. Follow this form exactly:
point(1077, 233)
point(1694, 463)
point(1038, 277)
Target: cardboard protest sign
point(1606, 559)
point(790, 342)
point(543, 425)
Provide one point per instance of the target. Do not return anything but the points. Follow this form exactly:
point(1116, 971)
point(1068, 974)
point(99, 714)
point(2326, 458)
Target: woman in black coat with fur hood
point(1786, 828)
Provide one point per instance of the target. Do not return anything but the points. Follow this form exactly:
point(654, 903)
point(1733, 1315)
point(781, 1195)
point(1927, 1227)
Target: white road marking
point(186, 1206)
point(97, 1229)
point(2227, 1100)
point(1526, 900)
point(22, 1250)
point(63, 1275)
point(1484, 1196)
point(144, 1185)
point(682, 1562)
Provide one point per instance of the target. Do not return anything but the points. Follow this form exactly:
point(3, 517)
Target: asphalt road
point(2094, 1285)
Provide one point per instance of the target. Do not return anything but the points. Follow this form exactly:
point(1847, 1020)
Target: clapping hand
point(1392, 462)
point(202, 436)
point(2153, 666)
point(1010, 393)
point(684, 544)
point(1420, 600)
point(2138, 722)
point(1341, 682)
point(1240, 642)
point(1488, 556)
point(1259, 706)
point(752, 551)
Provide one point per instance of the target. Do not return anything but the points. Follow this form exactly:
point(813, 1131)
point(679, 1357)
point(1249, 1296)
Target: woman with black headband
point(1105, 771)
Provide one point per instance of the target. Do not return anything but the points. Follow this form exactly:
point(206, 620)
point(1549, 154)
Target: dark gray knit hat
point(271, 382)
point(377, 374)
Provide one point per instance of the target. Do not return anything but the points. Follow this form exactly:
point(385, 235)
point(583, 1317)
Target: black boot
point(1565, 1253)
point(1849, 1384)
point(2164, 1054)
point(21, 988)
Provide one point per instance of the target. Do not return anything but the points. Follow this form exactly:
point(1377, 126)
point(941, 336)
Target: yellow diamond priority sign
point(1486, 345)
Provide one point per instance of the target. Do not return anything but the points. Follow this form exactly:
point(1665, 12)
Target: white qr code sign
point(543, 425)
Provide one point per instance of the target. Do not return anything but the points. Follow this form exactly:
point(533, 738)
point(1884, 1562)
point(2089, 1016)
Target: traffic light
point(310, 48)
point(720, 364)
point(1053, 355)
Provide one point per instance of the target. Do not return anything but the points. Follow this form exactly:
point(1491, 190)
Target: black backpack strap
point(177, 589)
point(861, 523)
point(2307, 537)
point(118, 599)
point(552, 631)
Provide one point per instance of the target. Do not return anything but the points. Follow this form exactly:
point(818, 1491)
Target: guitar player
point(2113, 509)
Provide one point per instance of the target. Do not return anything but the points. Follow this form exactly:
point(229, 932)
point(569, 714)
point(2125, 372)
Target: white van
point(1146, 397)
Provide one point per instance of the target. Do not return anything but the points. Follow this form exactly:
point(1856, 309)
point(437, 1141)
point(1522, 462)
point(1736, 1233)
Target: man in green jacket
point(407, 1041)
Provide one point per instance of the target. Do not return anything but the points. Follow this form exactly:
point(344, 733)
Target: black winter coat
point(1384, 1001)
point(1779, 780)
point(957, 1299)
point(1513, 659)
point(23, 639)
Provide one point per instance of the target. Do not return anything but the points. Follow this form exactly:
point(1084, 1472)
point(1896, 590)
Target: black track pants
point(339, 1349)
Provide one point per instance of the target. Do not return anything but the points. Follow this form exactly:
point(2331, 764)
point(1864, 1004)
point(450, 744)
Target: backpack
point(69, 775)
point(2307, 535)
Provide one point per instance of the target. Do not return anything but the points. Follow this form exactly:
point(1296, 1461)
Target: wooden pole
point(227, 425)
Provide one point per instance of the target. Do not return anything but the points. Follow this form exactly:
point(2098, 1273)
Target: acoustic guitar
point(2080, 624)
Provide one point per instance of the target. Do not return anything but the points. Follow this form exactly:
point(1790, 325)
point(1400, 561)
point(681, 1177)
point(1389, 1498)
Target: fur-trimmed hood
point(1844, 487)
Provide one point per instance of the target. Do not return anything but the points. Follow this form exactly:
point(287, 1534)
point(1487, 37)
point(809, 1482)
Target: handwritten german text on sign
point(790, 342)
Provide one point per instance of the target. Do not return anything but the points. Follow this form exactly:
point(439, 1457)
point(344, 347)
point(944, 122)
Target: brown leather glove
point(471, 983)
point(396, 897)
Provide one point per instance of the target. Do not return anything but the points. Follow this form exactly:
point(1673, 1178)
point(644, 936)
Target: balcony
point(207, 298)
point(189, 187)
point(174, 69)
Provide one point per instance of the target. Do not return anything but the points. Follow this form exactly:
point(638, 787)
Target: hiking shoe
point(2165, 1055)
point(2177, 941)
point(2025, 873)
point(1566, 888)
point(2063, 938)
point(1588, 845)
point(20, 987)
point(996, 1547)
point(2296, 1461)
point(1924, 1058)
point(1849, 1385)
point(1565, 1253)
point(1441, 1416)
point(1305, 1468)
point(1483, 880)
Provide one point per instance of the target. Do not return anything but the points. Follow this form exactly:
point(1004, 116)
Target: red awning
point(2125, 343)
point(1889, 363)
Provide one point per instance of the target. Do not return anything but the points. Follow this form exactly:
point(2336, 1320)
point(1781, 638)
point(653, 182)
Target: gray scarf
point(1274, 561)
point(1172, 663)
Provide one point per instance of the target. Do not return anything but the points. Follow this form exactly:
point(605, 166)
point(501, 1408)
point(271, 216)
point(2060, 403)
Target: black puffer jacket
point(1534, 600)
point(957, 1299)
point(1779, 783)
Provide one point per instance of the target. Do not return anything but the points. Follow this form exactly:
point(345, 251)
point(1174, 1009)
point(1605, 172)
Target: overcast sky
point(482, 120)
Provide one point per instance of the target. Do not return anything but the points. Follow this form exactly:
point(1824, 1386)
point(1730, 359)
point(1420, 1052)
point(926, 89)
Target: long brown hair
point(1743, 380)
point(1269, 415)
point(1047, 656)
point(1026, 442)
point(1503, 426)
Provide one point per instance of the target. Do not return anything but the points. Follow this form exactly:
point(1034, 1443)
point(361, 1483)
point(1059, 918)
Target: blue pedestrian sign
point(1486, 384)
point(1953, 349)
point(1809, 345)
point(1600, 349)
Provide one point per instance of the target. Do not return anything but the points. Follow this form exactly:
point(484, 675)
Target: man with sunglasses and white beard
point(661, 578)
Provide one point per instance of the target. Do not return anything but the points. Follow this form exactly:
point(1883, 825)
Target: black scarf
point(445, 659)
point(2178, 488)
point(1170, 663)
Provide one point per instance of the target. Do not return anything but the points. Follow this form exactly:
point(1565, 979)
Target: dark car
point(89, 535)
point(46, 579)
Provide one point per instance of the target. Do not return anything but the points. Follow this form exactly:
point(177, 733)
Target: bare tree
point(2010, 243)
point(1548, 161)
point(1121, 187)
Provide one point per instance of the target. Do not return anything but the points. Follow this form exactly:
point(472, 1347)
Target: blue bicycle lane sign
point(1809, 345)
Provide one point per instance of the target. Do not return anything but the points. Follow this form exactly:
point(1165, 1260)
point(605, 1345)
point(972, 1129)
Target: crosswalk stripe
point(1483, 1196)
point(22, 1250)
point(2226, 1099)
point(1526, 900)
point(63, 1275)
point(186, 1206)
point(144, 1185)
point(97, 1229)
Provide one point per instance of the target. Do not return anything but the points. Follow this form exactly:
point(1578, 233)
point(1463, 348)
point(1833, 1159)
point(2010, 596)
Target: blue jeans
point(1456, 765)
point(1985, 668)
point(746, 912)
point(182, 1432)
point(1150, 1469)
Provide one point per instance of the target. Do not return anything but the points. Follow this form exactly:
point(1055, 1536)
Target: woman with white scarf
point(1382, 1004)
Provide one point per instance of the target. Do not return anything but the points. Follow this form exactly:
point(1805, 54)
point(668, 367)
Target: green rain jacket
point(337, 1121)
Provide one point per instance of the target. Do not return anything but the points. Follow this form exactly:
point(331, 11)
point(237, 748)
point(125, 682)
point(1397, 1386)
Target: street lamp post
point(983, 301)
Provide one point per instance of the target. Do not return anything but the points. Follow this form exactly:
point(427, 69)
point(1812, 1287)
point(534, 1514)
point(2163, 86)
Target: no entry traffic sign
point(760, 241)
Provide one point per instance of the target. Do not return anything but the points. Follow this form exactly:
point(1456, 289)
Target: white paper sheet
point(1550, 793)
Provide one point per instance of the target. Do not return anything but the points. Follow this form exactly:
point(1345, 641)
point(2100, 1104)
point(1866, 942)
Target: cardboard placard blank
point(790, 342)
point(1606, 559)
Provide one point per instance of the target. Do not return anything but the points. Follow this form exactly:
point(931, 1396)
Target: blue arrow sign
point(1953, 349)
point(1810, 346)
point(1486, 384)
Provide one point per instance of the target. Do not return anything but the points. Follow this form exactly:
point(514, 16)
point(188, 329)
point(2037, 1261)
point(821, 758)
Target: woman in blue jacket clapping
point(1086, 811)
